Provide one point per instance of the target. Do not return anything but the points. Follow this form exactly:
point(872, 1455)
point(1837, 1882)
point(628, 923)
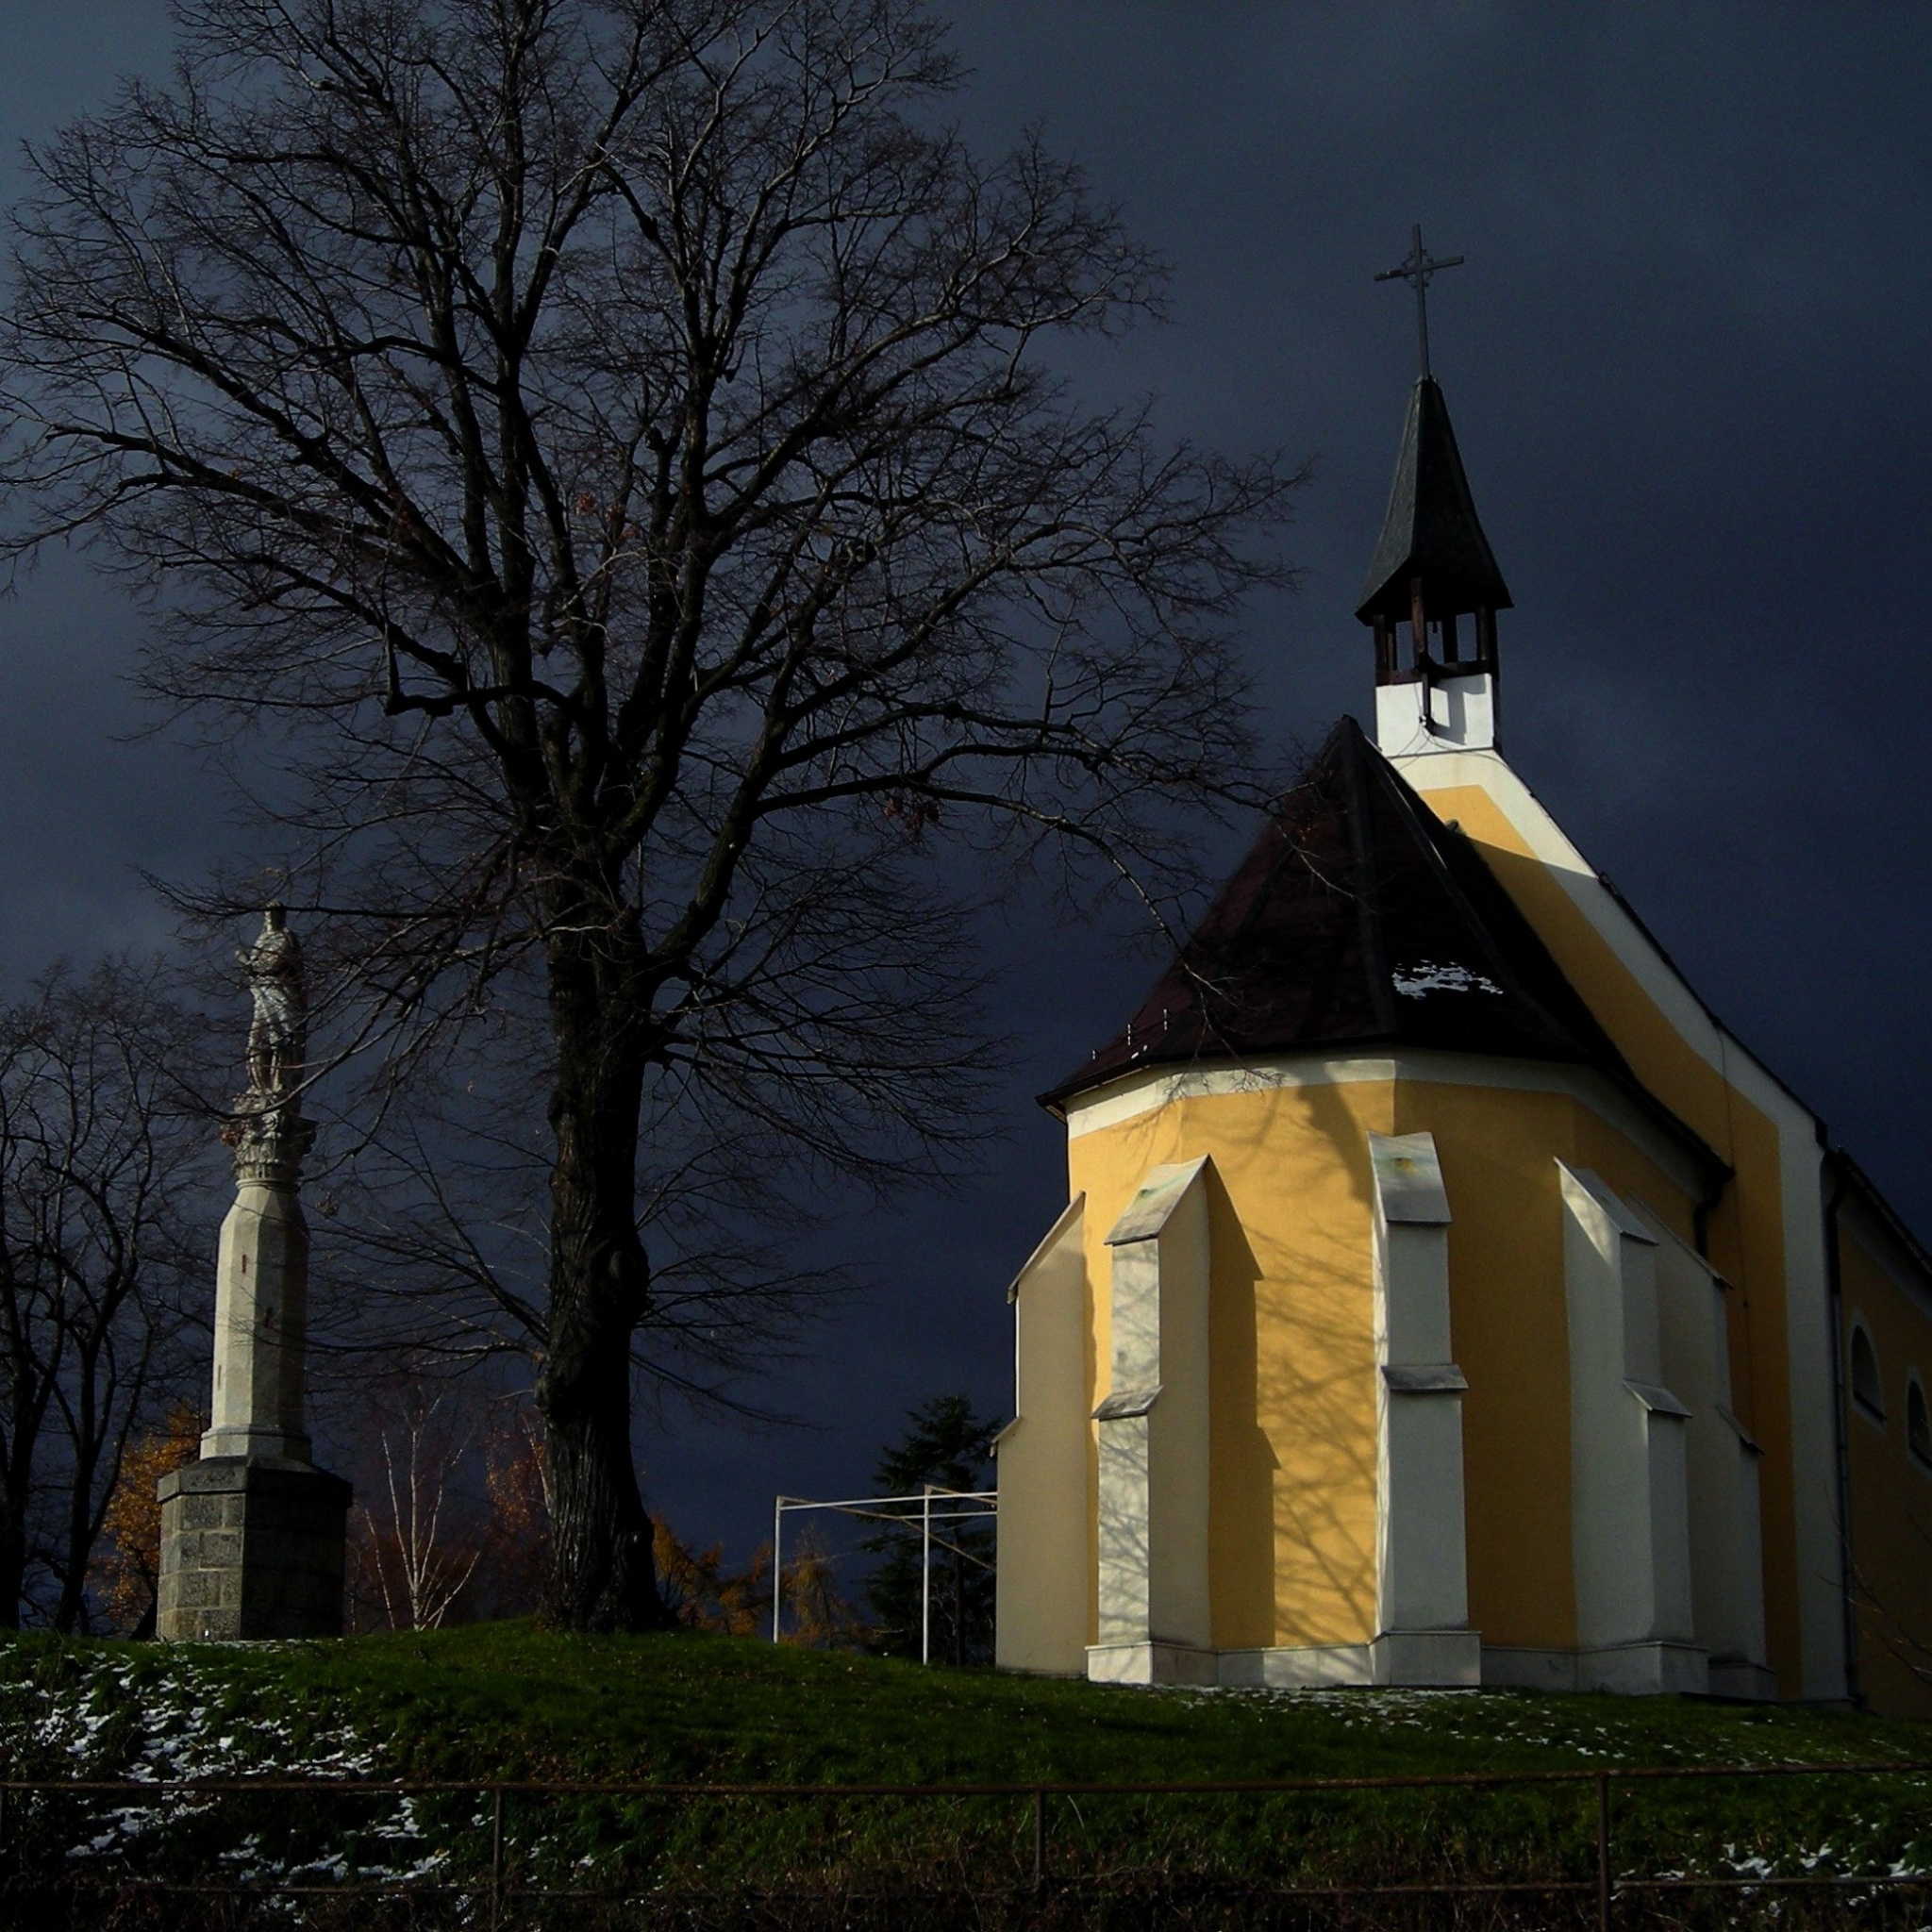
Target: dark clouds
point(1689, 366)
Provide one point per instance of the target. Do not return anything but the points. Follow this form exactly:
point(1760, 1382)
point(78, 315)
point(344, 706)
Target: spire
point(1436, 687)
point(1432, 566)
point(1432, 552)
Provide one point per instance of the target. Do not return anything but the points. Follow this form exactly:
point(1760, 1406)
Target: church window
point(1866, 1391)
point(1918, 1423)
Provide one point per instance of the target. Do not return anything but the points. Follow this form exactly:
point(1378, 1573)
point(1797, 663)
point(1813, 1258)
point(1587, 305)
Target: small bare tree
point(423, 1550)
point(610, 444)
point(100, 1156)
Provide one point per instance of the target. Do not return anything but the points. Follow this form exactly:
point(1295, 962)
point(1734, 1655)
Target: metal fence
point(493, 1893)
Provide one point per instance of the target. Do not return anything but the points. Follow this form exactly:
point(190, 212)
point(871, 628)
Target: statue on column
point(267, 1132)
point(253, 1533)
point(279, 1034)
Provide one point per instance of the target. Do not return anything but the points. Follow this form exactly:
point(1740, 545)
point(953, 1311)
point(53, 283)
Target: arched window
point(1918, 1423)
point(1866, 1391)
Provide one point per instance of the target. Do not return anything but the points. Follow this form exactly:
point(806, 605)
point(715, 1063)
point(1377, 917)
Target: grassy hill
point(507, 1700)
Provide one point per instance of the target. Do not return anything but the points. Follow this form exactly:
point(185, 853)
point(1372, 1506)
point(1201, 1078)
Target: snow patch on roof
point(1425, 977)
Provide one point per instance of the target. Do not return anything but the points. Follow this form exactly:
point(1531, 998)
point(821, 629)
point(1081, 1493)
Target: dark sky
point(1689, 365)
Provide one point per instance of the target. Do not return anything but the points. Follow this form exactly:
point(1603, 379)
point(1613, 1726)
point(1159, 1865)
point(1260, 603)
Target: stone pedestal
point(261, 1324)
point(251, 1548)
point(252, 1535)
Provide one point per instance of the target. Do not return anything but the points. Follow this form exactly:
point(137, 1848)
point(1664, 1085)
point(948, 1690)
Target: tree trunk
point(14, 1533)
point(14, 1486)
point(601, 1576)
point(12, 1566)
point(71, 1609)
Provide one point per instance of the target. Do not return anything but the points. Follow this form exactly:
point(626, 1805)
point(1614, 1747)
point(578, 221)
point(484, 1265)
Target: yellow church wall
point(1746, 1234)
point(1892, 1491)
point(1292, 1418)
point(1509, 1330)
point(1293, 1444)
point(1509, 1323)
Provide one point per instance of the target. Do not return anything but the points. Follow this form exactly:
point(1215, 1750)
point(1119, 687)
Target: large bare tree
point(609, 449)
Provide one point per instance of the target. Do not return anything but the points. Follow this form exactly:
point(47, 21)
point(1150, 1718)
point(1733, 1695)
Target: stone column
point(252, 1534)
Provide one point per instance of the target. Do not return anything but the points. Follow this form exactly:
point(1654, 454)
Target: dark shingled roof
point(1360, 920)
point(1431, 529)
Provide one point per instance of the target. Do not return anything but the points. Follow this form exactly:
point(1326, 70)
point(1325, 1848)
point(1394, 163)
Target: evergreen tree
point(947, 1446)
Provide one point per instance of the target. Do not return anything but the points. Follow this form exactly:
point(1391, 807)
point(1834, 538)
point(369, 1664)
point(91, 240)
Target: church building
point(1443, 1296)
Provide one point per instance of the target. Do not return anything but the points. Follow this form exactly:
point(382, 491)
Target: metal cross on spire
point(1417, 270)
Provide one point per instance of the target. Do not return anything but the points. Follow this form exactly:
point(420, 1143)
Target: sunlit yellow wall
point(1292, 1410)
point(1510, 1326)
point(1294, 1417)
point(1746, 1234)
point(1891, 1492)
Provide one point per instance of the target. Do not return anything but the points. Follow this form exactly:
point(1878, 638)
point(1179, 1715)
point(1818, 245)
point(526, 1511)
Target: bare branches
point(612, 446)
point(99, 1154)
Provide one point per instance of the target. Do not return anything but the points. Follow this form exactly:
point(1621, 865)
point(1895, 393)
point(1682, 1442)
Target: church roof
point(1431, 529)
point(1357, 920)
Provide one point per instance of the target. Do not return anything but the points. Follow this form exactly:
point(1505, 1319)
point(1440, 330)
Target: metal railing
point(493, 1889)
point(981, 1505)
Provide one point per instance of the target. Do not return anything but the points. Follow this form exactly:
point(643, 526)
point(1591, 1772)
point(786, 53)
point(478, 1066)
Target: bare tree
point(607, 446)
point(422, 1551)
point(99, 1155)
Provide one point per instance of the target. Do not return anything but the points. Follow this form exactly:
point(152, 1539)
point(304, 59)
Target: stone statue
point(279, 1034)
point(266, 1129)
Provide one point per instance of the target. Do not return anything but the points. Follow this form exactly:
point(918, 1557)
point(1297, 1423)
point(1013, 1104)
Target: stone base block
point(1631, 1670)
point(1738, 1678)
point(1428, 1657)
point(1297, 1667)
point(1149, 1664)
point(251, 1548)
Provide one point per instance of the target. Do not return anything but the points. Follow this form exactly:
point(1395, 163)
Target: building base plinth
point(1427, 1660)
point(1630, 1669)
point(1297, 1667)
point(1438, 1659)
point(1149, 1664)
point(1748, 1682)
point(251, 1549)
point(1433, 1659)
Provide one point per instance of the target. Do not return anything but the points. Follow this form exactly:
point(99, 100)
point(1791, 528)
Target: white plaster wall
point(1629, 1504)
point(1726, 1549)
point(1423, 1581)
point(1179, 1481)
point(1127, 1555)
point(1154, 1425)
point(1461, 717)
point(1422, 1574)
point(1044, 1583)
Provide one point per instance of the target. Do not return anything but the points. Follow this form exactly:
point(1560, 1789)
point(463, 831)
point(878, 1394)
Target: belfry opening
point(1433, 591)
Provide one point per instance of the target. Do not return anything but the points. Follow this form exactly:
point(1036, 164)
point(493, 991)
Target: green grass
point(508, 1701)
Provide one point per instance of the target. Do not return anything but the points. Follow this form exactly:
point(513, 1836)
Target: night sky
point(1688, 364)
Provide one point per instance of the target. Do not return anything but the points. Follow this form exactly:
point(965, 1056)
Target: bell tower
point(1436, 684)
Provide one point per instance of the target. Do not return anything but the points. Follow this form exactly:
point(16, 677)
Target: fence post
point(1039, 1838)
point(777, 1567)
point(1603, 1851)
point(496, 1859)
